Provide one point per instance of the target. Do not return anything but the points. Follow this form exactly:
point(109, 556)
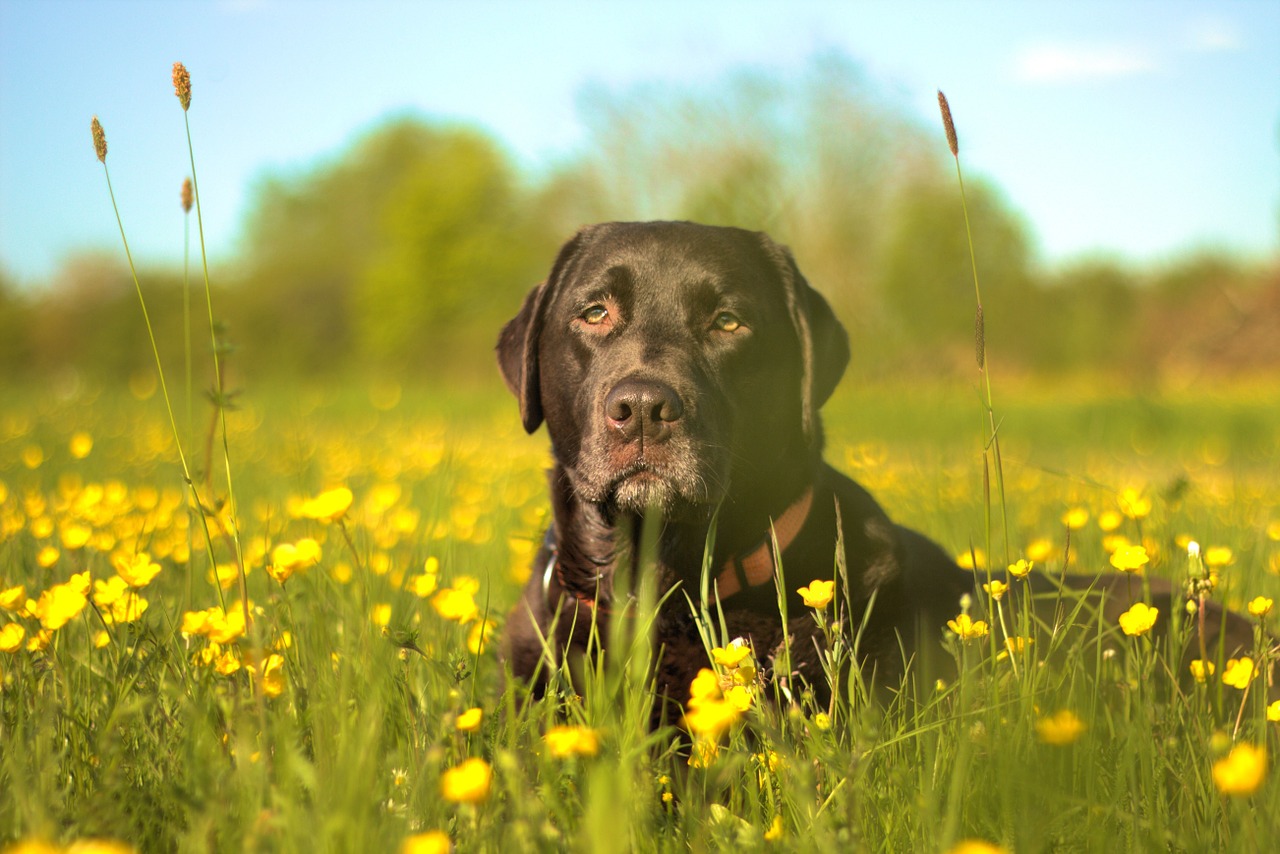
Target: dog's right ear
point(518, 343)
point(518, 357)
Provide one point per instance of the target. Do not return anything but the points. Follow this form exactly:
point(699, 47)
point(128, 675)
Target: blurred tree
point(15, 323)
point(926, 281)
point(455, 253)
point(377, 255)
point(90, 321)
point(1089, 311)
point(407, 250)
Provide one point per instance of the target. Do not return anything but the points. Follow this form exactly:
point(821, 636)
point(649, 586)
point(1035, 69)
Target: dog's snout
point(643, 408)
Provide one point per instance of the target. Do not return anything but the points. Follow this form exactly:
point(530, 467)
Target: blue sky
point(1141, 130)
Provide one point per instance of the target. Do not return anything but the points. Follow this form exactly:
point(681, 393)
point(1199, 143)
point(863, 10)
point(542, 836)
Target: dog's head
point(669, 359)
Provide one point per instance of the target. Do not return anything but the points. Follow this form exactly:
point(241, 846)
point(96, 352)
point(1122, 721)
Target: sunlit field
point(356, 702)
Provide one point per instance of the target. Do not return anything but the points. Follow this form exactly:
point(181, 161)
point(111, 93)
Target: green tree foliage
point(405, 251)
point(15, 317)
point(926, 276)
point(1087, 317)
point(415, 234)
point(455, 245)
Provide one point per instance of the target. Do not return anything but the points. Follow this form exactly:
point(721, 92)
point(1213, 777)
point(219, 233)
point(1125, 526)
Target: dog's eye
point(726, 321)
point(596, 315)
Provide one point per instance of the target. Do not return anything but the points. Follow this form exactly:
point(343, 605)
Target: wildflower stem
point(980, 344)
point(217, 376)
point(146, 317)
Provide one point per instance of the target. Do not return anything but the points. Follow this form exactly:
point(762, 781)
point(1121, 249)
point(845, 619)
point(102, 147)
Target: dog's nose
point(643, 408)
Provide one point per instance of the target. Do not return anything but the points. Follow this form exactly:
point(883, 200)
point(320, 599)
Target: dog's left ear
point(824, 343)
point(518, 342)
point(518, 357)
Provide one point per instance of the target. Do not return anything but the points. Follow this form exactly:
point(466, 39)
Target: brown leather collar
point(757, 566)
point(739, 572)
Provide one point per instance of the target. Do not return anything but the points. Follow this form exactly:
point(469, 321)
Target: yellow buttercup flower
point(195, 622)
point(455, 604)
point(1242, 771)
point(712, 719)
point(564, 742)
point(1015, 646)
point(431, 842)
point(709, 714)
point(1134, 504)
point(11, 637)
point(1060, 729)
point(1216, 557)
point(227, 662)
point(107, 591)
point(1109, 520)
point(288, 557)
point(13, 598)
point(1260, 606)
point(329, 506)
point(1129, 558)
point(1039, 550)
point(128, 608)
point(270, 674)
point(1139, 619)
point(75, 536)
point(1239, 672)
point(729, 657)
point(423, 585)
point(224, 626)
point(468, 783)
point(976, 846)
point(967, 628)
point(740, 697)
point(81, 444)
point(1075, 518)
point(59, 605)
point(1273, 712)
point(818, 594)
point(1202, 670)
point(1021, 569)
point(995, 589)
point(478, 638)
point(469, 721)
point(705, 686)
point(138, 570)
point(774, 833)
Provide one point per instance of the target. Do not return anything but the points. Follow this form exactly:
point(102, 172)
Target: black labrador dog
point(680, 369)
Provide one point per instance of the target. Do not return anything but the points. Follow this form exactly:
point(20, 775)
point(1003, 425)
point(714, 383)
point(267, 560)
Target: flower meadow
point(309, 661)
point(275, 628)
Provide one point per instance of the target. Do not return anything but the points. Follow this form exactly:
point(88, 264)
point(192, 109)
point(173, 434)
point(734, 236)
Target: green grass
point(139, 740)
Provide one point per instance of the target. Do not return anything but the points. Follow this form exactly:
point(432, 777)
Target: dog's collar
point(757, 566)
point(739, 572)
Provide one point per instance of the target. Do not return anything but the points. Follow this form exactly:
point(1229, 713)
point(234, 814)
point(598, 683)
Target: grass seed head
point(99, 140)
point(182, 85)
point(186, 195)
point(980, 338)
point(952, 142)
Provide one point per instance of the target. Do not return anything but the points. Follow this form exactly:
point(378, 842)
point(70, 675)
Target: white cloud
point(1211, 36)
point(1053, 63)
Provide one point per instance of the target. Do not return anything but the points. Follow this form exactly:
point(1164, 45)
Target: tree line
point(403, 253)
